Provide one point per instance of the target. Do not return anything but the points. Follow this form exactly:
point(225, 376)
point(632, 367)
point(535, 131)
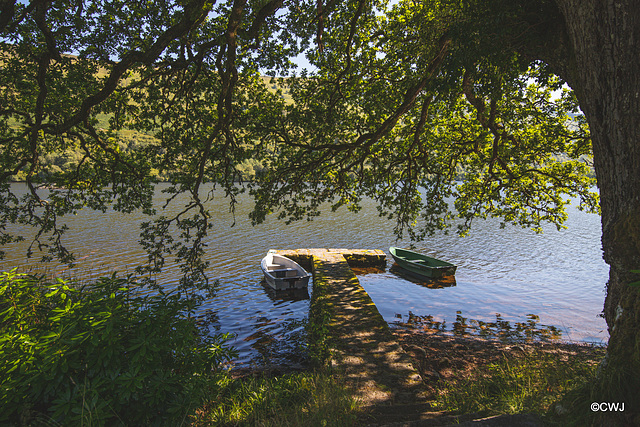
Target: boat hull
point(283, 273)
point(422, 265)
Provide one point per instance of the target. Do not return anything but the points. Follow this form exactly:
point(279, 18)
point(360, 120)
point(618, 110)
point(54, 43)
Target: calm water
point(559, 276)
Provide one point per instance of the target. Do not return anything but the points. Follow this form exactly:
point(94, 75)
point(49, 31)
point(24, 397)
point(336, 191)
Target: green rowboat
point(420, 264)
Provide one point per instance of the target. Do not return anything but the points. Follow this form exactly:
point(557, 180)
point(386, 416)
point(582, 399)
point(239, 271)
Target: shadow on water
point(439, 283)
point(501, 329)
point(285, 349)
point(209, 319)
point(277, 340)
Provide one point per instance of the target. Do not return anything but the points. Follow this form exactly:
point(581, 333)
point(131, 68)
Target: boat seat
point(284, 272)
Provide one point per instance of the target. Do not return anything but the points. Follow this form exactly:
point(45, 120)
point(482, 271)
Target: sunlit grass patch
point(309, 399)
point(531, 382)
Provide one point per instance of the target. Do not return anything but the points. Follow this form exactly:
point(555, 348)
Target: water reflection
point(527, 331)
point(432, 283)
point(363, 271)
point(209, 319)
point(292, 294)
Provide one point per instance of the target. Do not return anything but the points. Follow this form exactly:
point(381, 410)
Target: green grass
point(297, 399)
point(530, 383)
point(613, 385)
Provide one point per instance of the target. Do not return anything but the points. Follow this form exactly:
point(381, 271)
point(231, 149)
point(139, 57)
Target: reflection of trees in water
point(280, 342)
point(504, 330)
point(273, 341)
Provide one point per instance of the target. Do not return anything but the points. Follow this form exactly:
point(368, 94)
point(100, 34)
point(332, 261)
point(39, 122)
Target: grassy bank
point(102, 354)
point(491, 377)
point(496, 378)
point(530, 382)
point(295, 399)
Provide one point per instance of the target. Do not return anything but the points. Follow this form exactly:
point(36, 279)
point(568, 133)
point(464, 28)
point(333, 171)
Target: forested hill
point(128, 140)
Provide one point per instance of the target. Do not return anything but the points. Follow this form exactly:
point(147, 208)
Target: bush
point(101, 353)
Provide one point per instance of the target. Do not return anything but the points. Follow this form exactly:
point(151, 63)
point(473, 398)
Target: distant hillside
point(129, 139)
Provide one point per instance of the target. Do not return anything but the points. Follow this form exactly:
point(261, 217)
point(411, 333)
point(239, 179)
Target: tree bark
point(604, 38)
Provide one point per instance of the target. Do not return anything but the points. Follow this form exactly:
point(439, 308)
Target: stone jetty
point(349, 331)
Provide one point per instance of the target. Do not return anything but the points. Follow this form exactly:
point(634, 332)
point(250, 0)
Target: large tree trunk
point(604, 37)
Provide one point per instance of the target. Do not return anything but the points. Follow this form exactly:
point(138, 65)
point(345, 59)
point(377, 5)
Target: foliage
point(405, 101)
point(101, 354)
point(401, 107)
point(309, 399)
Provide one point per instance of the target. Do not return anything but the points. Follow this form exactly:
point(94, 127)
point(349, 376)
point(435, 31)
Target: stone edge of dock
point(354, 257)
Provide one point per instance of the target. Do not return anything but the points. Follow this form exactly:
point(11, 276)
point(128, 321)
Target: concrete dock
point(348, 333)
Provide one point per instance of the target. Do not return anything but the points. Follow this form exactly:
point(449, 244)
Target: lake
point(558, 275)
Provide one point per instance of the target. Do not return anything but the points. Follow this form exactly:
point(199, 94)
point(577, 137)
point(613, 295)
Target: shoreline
point(447, 358)
point(428, 349)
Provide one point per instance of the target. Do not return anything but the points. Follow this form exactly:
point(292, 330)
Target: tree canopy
point(413, 105)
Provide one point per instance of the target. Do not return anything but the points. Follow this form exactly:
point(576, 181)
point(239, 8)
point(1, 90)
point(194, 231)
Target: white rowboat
point(281, 272)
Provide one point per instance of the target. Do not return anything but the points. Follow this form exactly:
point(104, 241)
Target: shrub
point(101, 353)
